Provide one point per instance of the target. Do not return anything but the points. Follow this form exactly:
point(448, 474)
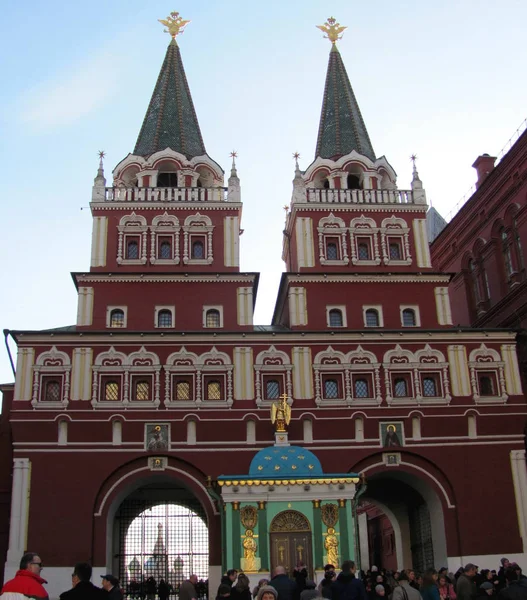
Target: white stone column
point(519, 479)
point(19, 513)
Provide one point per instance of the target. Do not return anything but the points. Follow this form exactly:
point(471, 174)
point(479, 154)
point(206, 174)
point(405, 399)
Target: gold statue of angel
point(332, 29)
point(281, 414)
point(174, 24)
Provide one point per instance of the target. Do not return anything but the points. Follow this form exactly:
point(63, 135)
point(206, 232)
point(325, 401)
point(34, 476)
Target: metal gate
point(421, 538)
point(161, 541)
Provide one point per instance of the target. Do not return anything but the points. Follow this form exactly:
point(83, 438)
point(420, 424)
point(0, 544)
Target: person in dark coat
point(347, 586)
point(300, 576)
point(163, 590)
point(110, 585)
point(516, 588)
point(83, 588)
point(228, 579)
point(242, 590)
point(286, 588)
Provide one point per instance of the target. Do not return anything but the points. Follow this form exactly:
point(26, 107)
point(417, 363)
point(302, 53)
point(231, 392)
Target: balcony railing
point(165, 194)
point(360, 196)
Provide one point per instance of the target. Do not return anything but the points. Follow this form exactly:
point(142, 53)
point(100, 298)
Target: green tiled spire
point(171, 120)
point(341, 127)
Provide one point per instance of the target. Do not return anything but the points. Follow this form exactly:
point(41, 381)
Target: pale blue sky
point(445, 80)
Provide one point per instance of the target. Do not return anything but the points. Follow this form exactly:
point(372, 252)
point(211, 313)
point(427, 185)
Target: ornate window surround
point(487, 360)
point(110, 309)
point(219, 365)
point(397, 227)
point(52, 363)
point(376, 307)
point(332, 226)
point(132, 224)
point(182, 363)
point(354, 363)
point(167, 226)
point(114, 363)
point(415, 365)
point(197, 224)
point(158, 309)
point(364, 227)
point(272, 362)
point(342, 308)
point(417, 314)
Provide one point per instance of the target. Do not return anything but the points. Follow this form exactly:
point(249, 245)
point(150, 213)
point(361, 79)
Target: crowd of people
point(468, 583)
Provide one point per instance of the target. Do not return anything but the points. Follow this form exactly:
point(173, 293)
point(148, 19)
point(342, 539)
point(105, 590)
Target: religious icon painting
point(392, 434)
point(157, 436)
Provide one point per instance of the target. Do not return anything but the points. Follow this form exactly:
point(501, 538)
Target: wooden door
point(290, 541)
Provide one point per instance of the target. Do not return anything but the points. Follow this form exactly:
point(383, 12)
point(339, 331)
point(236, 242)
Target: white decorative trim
point(167, 226)
point(378, 308)
point(272, 362)
point(53, 363)
point(487, 360)
point(334, 227)
point(395, 226)
point(132, 225)
point(342, 309)
point(417, 314)
point(158, 309)
point(206, 309)
point(110, 309)
point(194, 225)
point(364, 227)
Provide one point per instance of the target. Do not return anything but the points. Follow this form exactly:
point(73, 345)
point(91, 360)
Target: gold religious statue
point(174, 24)
point(280, 414)
point(249, 551)
point(332, 29)
point(331, 544)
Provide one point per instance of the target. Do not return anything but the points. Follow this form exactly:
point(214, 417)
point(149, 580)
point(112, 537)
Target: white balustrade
point(165, 194)
point(337, 196)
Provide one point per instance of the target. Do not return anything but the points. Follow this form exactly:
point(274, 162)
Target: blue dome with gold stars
point(285, 461)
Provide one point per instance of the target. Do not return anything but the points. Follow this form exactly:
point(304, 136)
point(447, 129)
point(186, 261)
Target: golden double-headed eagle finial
point(332, 29)
point(174, 24)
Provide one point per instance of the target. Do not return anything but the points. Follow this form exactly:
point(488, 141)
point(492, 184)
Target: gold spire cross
point(174, 24)
point(332, 29)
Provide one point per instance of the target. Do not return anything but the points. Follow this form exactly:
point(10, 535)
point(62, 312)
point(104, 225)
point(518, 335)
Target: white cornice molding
point(164, 206)
point(163, 278)
point(365, 207)
point(373, 278)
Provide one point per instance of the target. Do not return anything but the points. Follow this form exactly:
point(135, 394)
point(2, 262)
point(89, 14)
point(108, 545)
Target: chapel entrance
point(290, 541)
point(160, 532)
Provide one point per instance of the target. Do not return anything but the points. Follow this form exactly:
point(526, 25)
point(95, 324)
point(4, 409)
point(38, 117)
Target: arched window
point(335, 318)
point(364, 251)
point(474, 281)
point(198, 250)
point(400, 388)
point(117, 318)
point(326, 184)
point(272, 389)
point(353, 182)
point(213, 390)
point(394, 249)
point(165, 251)
point(167, 180)
point(164, 318)
point(182, 390)
point(361, 388)
point(332, 251)
point(142, 391)
point(111, 391)
point(409, 318)
point(486, 386)
point(429, 387)
point(212, 318)
point(506, 249)
point(331, 389)
point(52, 391)
point(132, 250)
point(372, 318)
point(517, 241)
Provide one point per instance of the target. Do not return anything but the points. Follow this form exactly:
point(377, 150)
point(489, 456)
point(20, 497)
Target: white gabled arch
point(359, 355)
point(484, 353)
point(398, 353)
point(53, 357)
point(268, 357)
point(213, 357)
point(143, 357)
point(182, 358)
point(427, 353)
point(268, 363)
point(112, 356)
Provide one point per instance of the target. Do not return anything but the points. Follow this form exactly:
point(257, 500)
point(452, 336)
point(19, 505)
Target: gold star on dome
point(310, 467)
point(260, 468)
point(301, 457)
point(267, 457)
point(277, 467)
point(283, 457)
point(293, 467)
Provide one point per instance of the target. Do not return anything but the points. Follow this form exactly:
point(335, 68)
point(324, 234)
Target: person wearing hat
point(267, 592)
point(111, 585)
point(465, 585)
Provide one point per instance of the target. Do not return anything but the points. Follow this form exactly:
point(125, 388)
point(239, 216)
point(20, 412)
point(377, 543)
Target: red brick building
point(164, 383)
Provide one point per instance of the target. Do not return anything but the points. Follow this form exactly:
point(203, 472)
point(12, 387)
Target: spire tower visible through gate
point(342, 127)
